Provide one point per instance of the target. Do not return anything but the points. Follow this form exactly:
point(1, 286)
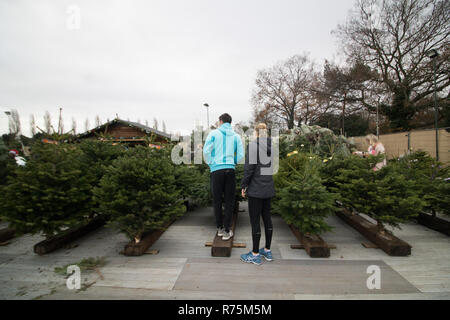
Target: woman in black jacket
point(257, 184)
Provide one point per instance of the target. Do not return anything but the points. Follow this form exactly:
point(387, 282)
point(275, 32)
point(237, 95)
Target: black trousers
point(223, 183)
point(260, 208)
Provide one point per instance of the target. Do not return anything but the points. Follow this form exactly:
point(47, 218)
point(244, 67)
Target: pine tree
point(95, 158)
point(301, 198)
point(429, 179)
point(385, 195)
point(49, 193)
point(139, 192)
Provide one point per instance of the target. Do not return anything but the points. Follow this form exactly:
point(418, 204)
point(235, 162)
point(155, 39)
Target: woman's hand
point(243, 193)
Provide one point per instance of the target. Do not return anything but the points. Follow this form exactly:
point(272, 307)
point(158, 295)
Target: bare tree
point(86, 124)
point(146, 123)
point(394, 37)
point(14, 123)
point(47, 122)
point(280, 89)
point(60, 123)
point(74, 126)
point(32, 125)
point(164, 128)
point(97, 121)
point(155, 123)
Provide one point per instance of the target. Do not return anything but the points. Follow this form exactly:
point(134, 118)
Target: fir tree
point(139, 192)
point(385, 195)
point(301, 198)
point(50, 193)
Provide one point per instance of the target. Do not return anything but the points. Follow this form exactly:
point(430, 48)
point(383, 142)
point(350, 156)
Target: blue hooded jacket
point(223, 148)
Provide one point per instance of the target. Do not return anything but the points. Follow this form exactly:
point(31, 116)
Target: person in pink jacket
point(375, 148)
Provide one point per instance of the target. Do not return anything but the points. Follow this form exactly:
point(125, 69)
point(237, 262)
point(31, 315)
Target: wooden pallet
point(67, 236)
point(314, 245)
point(434, 223)
point(389, 243)
point(222, 248)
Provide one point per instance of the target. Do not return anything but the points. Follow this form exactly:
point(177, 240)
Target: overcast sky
point(146, 59)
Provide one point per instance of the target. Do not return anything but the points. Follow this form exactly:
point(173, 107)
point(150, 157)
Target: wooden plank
point(434, 223)
point(300, 246)
point(6, 234)
point(389, 243)
point(67, 236)
point(235, 244)
point(148, 239)
point(221, 248)
point(314, 245)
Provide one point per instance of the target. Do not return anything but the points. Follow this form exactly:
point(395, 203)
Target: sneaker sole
point(267, 259)
point(225, 239)
point(258, 264)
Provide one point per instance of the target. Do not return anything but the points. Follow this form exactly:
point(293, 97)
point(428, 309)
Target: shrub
point(301, 198)
point(139, 192)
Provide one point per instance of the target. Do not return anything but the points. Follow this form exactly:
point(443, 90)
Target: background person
point(375, 148)
point(260, 190)
point(222, 151)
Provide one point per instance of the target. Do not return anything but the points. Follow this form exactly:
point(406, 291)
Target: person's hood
point(265, 144)
point(226, 129)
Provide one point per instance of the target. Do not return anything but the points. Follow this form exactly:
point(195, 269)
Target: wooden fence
point(396, 144)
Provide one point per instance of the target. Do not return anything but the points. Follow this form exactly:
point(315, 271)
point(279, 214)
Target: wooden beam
point(148, 239)
point(67, 236)
point(6, 234)
point(235, 244)
point(434, 223)
point(314, 245)
point(389, 243)
point(222, 248)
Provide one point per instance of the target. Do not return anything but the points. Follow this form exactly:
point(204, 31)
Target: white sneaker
point(227, 235)
point(220, 231)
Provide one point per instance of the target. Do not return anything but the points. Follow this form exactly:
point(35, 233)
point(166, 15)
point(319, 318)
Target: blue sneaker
point(266, 254)
point(250, 258)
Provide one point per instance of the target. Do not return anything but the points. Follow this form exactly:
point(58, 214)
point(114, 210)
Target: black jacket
point(258, 185)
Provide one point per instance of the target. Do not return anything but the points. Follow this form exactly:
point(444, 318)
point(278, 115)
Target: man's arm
point(208, 148)
point(239, 149)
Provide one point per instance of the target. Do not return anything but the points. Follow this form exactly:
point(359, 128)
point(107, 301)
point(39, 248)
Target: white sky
point(146, 59)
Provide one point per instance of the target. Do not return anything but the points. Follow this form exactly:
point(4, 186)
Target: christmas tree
point(430, 179)
point(50, 193)
point(301, 198)
point(139, 192)
point(385, 195)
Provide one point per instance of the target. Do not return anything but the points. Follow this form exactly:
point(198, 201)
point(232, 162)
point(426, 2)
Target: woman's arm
point(249, 170)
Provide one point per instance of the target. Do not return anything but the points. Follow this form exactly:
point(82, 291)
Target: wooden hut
point(119, 130)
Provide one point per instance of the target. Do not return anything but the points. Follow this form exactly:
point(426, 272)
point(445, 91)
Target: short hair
point(261, 129)
point(225, 118)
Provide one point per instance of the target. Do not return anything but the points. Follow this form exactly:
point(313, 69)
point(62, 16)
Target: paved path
point(183, 261)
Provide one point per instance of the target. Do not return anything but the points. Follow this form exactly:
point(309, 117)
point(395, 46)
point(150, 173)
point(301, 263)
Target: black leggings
point(260, 208)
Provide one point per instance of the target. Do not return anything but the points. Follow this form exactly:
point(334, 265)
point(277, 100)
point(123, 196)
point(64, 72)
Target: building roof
point(144, 128)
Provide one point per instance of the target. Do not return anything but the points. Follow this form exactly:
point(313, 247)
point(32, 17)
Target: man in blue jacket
point(222, 151)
